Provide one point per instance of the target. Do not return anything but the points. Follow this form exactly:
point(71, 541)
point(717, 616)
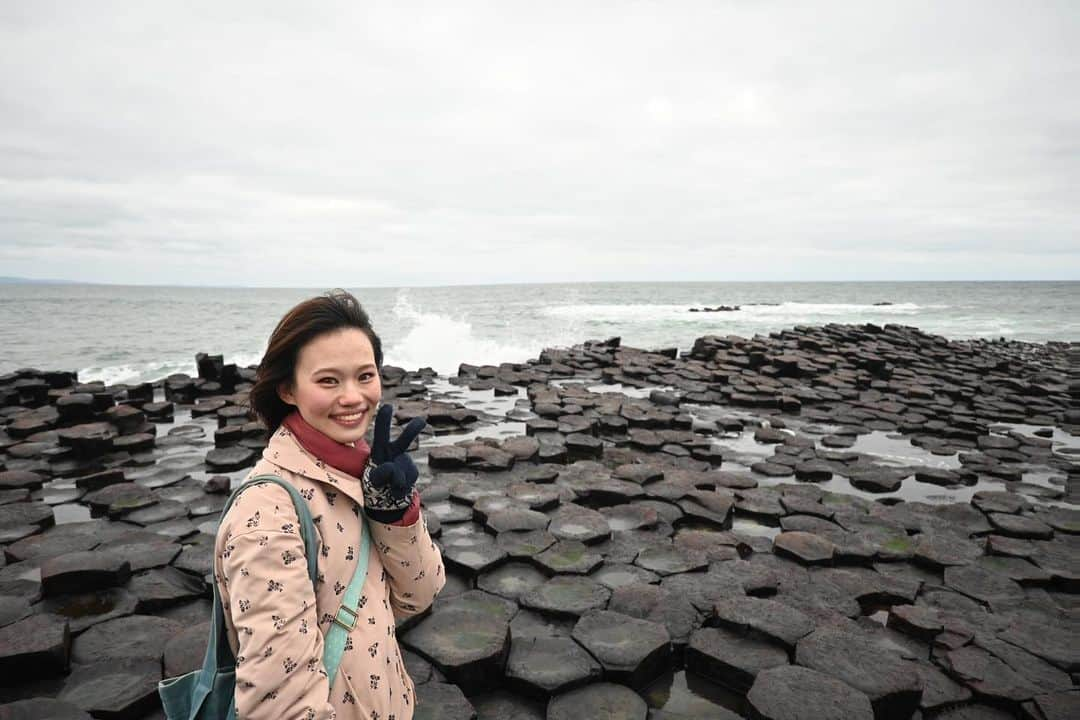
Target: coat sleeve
point(279, 670)
point(412, 563)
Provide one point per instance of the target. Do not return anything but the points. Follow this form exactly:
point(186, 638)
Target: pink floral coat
point(276, 619)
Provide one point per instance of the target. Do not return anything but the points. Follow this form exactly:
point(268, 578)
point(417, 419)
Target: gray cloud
point(403, 143)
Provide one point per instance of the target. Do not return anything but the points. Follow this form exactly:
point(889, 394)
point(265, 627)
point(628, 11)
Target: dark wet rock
point(939, 690)
point(475, 558)
point(638, 473)
point(42, 709)
point(511, 580)
point(779, 622)
point(566, 596)
point(1056, 644)
point(617, 575)
point(157, 513)
point(631, 650)
point(569, 556)
point(12, 609)
point(671, 559)
point(790, 692)
point(598, 700)
point(32, 648)
point(447, 457)
point(134, 637)
point(535, 496)
point(162, 587)
point(807, 548)
point(89, 439)
point(940, 550)
point(988, 676)
point(630, 517)
point(83, 572)
point(915, 620)
point(545, 666)
point(120, 499)
point(991, 501)
point(31, 514)
point(467, 638)
point(86, 609)
point(813, 471)
point(73, 537)
point(731, 659)
point(983, 585)
point(186, 651)
point(511, 519)
point(1037, 671)
point(1050, 706)
point(581, 446)
point(772, 469)
point(503, 705)
point(891, 683)
point(486, 458)
point(941, 476)
point(659, 605)
point(1063, 520)
point(711, 507)
point(1020, 526)
point(101, 479)
point(876, 480)
point(230, 459)
point(523, 545)
point(442, 701)
point(21, 479)
point(114, 689)
point(529, 623)
point(1014, 568)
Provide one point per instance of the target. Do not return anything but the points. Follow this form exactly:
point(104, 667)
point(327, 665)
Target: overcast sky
point(363, 144)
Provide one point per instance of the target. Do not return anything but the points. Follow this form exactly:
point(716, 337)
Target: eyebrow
point(336, 371)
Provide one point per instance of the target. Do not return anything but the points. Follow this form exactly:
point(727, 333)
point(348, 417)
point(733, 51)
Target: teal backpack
point(210, 693)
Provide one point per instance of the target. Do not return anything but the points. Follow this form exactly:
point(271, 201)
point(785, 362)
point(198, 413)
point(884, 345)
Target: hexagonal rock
point(710, 507)
point(545, 666)
point(568, 556)
point(114, 689)
point(20, 479)
point(730, 658)
point(84, 610)
point(1058, 644)
point(630, 517)
point(807, 548)
point(657, 604)
point(120, 498)
point(186, 651)
point(790, 692)
point(573, 522)
point(26, 514)
point(1054, 706)
point(891, 683)
point(984, 585)
point(567, 596)
point(135, 637)
point(537, 497)
point(467, 638)
point(164, 587)
point(83, 572)
point(920, 622)
point(486, 458)
point(671, 559)
point(617, 575)
point(33, 648)
point(598, 700)
point(512, 519)
point(781, 623)
point(813, 471)
point(447, 457)
point(940, 550)
point(638, 473)
point(1020, 526)
point(987, 675)
point(522, 448)
point(521, 545)
point(473, 559)
point(88, 440)
point(38, 708)
point(939, 690)
point(631, 650)
point(511, 580)
point(442, 701)
point(999, 501)
point(230, 459)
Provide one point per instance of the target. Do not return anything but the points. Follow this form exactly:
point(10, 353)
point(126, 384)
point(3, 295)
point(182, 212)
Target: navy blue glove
point(390, 476)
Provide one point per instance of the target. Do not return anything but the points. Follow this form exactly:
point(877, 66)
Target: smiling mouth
point(350, 418)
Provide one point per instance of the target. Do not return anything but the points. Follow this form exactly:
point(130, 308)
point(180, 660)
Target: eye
point(327, 381)
point(367, 376)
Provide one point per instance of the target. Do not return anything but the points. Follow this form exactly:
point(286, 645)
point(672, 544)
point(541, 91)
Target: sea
point(135, 333)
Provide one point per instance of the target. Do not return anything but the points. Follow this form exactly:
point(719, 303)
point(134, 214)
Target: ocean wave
point(442, 342)
point(131, 373)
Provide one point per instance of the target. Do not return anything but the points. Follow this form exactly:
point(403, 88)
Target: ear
point(285, 392)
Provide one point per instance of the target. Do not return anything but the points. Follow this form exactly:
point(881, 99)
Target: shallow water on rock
point(681, 693)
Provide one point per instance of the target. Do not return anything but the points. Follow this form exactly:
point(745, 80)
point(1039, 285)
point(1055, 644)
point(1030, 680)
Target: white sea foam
point(442, 342)
point(132, 373)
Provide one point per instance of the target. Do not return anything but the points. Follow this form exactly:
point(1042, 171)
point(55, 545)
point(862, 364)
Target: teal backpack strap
point(345, 618)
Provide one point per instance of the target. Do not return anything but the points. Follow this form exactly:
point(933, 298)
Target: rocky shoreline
point(834, 521)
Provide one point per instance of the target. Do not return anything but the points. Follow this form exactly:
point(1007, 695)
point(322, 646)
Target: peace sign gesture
point(390, 475)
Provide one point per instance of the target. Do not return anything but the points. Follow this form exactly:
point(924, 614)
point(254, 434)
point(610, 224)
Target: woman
point(317, 390)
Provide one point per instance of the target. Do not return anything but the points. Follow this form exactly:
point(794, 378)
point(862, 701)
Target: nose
point(351, 394)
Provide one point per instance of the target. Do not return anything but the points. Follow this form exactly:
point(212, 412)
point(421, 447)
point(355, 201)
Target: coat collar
point(285, 451)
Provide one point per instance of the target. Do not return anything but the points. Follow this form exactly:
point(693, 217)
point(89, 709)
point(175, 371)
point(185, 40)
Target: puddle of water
point(897, 450)
point(685, 694)
point(753, 527)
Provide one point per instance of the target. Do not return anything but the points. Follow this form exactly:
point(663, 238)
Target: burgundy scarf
point(349, 460)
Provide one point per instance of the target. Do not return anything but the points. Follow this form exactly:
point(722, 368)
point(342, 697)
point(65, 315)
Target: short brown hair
point(336, 310)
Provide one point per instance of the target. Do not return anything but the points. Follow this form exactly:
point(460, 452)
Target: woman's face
point(336, 385)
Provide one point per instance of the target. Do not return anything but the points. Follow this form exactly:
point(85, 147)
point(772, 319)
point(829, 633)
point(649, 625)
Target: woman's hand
point(390, 475)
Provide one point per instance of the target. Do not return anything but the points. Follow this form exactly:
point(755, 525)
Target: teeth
point(350, 418)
